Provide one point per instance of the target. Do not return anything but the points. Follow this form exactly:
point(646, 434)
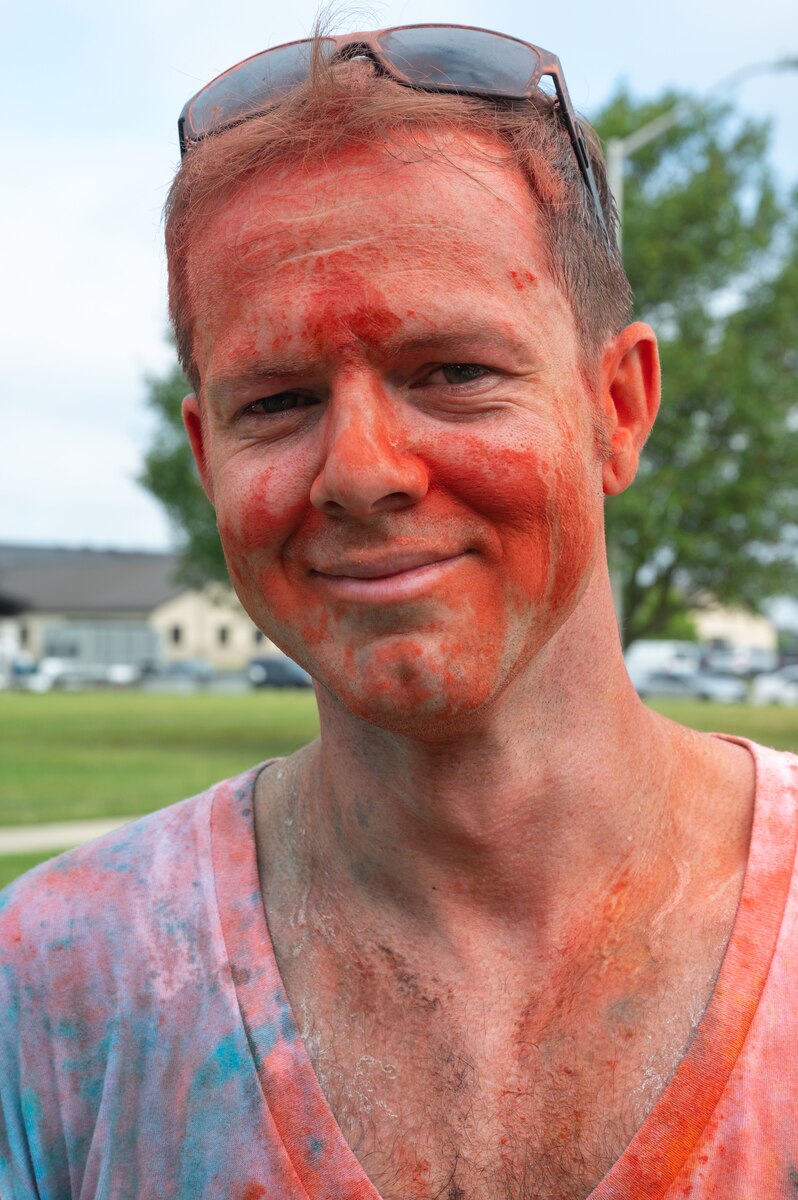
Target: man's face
point(395, 433)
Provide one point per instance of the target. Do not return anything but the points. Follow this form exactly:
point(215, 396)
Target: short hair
point(351, 103)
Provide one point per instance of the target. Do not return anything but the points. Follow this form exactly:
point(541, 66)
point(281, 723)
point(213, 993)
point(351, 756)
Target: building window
point(175, 635)
point(223, 635)
point(257, 637)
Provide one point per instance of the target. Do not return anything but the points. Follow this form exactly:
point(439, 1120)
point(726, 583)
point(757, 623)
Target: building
point(734, 627)
point(103, 607)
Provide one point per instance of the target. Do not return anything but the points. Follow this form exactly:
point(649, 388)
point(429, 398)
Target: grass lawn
point(777, 727)
point(67, 756)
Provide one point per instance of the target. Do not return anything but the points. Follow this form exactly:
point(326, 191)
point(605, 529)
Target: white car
point(779, 688)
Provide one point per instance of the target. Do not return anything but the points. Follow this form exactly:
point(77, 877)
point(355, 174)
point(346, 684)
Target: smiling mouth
point(393, 578)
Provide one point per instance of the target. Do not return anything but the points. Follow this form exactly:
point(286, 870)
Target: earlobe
point(192, 419)
point(631, 392)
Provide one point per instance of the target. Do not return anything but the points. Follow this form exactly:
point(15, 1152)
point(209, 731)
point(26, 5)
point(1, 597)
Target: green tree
point(171, 475)
point(713, 261)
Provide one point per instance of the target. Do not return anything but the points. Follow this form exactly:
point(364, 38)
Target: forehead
point(420, 223)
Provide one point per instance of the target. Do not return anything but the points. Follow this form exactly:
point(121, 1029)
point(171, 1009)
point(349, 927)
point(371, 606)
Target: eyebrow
point(476, 336)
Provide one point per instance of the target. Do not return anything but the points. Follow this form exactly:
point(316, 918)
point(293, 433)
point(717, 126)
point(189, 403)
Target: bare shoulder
point(713, 779)
point(711, 807)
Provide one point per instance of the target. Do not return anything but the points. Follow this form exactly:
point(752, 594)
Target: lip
point(389, 577)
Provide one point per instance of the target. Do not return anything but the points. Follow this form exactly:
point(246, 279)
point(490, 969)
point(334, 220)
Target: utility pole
point(619, 149)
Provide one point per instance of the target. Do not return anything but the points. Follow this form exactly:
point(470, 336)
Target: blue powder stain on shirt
point(9, 1001)
point(315, 1145)
point(60, 943)
point(263, 1039)
point(225, 1082)
point(227, 1059)
point(287, 1027)
point(31, 1110)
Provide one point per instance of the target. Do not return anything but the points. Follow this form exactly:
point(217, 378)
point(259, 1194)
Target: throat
point(522, 854)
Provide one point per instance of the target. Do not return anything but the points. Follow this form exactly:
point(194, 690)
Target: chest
point(442, 1096)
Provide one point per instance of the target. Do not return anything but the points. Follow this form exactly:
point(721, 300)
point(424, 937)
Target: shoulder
point(90, 883)
point(776, 778)
point(133, 889)
point(776, 771)
point(111, 958)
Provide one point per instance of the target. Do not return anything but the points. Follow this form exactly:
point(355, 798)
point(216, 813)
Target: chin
point(405, 686)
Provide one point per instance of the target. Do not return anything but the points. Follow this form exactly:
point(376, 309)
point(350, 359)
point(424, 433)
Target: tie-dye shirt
point(148, 1050)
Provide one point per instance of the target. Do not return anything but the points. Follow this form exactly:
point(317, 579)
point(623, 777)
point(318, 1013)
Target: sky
point(90, 93)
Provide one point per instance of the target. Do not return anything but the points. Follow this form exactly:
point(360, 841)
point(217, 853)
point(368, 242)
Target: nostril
point(392, 500)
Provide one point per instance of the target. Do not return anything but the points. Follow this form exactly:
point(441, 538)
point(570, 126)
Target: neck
point(559, 790)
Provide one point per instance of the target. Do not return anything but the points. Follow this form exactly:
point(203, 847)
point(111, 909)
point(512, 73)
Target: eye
point(280, 403)
point(459, 373)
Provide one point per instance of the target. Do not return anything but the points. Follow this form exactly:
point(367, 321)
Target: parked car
point(667, 655)
point(662, 668)
point(780, 687)
point(278, 672)
point(691, 685)
point(722, 687)
point(740, 660)
point(196, 670)
point(72, 675)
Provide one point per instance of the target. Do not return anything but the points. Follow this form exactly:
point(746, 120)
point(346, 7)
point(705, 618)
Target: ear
point(192, 419)
point(630, 393)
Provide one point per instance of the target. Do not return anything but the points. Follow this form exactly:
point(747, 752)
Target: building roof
point(58, 579)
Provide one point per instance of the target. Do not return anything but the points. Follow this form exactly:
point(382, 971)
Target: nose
point(368, 466)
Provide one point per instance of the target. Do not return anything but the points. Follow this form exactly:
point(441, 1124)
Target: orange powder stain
point(253, 1191)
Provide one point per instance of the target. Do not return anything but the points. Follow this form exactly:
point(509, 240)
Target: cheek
point(257, 507)
point(541, 503)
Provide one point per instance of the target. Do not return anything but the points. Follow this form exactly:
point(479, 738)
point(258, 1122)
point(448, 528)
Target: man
point(502, 932)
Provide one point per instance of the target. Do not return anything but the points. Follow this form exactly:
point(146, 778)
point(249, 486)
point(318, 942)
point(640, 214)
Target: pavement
point(59, 835)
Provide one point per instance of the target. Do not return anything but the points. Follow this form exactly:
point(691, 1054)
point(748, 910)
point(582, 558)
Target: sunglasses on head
point(433, 58)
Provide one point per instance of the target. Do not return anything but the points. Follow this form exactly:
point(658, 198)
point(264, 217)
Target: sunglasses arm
point(551, 66)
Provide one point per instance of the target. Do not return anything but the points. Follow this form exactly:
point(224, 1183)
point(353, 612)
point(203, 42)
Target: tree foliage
point(712, 255)
point(713, 261)
point(171, 475)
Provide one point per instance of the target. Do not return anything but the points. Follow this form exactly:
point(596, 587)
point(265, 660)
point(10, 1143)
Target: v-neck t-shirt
point(148, 1050)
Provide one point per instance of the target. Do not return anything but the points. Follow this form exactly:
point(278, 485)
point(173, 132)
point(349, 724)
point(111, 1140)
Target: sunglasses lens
point(463, 59)
point(249, 86)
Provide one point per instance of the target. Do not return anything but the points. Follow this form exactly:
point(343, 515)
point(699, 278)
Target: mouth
point(388, 577)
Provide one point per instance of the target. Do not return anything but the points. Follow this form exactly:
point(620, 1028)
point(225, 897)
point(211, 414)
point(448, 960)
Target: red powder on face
point(339, 325)
point(382, 453)
point(522, 279)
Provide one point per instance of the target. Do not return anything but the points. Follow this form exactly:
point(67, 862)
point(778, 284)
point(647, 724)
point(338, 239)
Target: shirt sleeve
point(33, 1158)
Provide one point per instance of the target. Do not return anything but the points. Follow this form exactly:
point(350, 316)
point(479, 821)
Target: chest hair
point(437, 1105)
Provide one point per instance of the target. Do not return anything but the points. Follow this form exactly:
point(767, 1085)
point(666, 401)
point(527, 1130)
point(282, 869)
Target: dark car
point(278, 672)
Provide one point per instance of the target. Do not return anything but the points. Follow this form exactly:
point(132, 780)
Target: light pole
point(619, 149)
